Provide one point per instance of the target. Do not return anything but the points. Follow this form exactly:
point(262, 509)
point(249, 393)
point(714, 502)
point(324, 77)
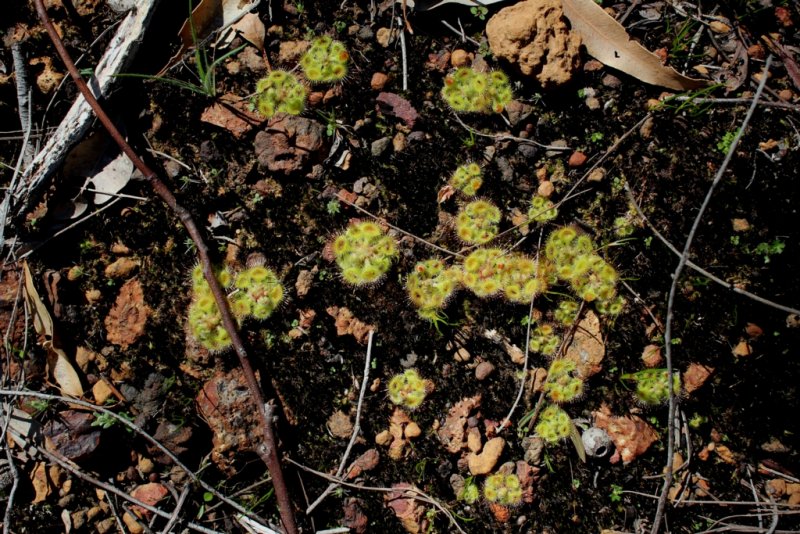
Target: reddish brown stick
point(266, 450)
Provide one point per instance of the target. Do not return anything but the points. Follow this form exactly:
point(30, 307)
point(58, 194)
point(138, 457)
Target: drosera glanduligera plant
point(325, 61)
point(652, 385)
point(279, 92)
point(257, 292)
point(364, 252)
point(430, 285)
point(477, 222)
point(471, 91)
point(467, 179)
point(408, 389)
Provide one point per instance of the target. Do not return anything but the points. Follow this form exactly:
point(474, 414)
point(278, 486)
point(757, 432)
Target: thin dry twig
point(397, 228)
point(662, 501)
point(113, 489)
point(412, 493)
point(135, 428)
point(267, 450)
point(356, 428)
point(521, 389)
point(698, 269)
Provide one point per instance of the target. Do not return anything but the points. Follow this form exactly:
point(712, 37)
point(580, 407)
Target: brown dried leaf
point(407, 508)
point(126, 321)
point(587, 349)
point(58, 363)
point(609, 43)
point(346, 323)
point(695, 376)
point(206, 17)
point(151, 494)
point(42, 486)
point(251, 29)
point(231, 113)
point(365, 462)
point(631, 435)
point(452, 433)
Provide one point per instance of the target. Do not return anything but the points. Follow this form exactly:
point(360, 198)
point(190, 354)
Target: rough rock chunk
point(289, 144)
point(533, 35)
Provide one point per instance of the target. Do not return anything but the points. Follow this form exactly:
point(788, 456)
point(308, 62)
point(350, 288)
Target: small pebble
point(577, 159)
point(483, 370)
point(597, 175)
point(609, 80)
point(460, 58)
point(379, 146)
point(378, 81)
point(399, 142)
point(785, 95)
point(545, 189)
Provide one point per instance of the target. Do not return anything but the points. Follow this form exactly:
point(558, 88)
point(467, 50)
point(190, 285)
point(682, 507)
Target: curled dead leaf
point(631, 434)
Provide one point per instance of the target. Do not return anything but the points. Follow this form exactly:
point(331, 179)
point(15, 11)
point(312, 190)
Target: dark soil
point(747, 406)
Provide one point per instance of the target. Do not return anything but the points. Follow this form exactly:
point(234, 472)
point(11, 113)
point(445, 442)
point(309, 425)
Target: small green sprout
point(477, 222)
point(467, 179)
point(325, 61)
point(364, 253)
point(470, 492)
point(408, 389)
point(505, 490)
point(279, 92)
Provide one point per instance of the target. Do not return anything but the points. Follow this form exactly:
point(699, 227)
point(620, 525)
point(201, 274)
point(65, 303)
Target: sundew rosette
point(325, 61)
point(364, 253)
point(279, 92)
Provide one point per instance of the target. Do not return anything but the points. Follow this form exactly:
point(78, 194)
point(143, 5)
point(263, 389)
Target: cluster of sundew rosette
point(408, 389)
point(281, 91)
point(254, 292)
point(652, 385)
point(470, 91)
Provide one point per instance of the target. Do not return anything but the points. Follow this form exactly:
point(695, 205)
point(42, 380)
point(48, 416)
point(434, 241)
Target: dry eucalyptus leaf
point(251, 29)
point(58, 362)
point(209, 16)
point(100, 163)
point(112, 178)
point(608, 42)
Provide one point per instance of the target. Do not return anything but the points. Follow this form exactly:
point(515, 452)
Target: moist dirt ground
point(118, 284)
